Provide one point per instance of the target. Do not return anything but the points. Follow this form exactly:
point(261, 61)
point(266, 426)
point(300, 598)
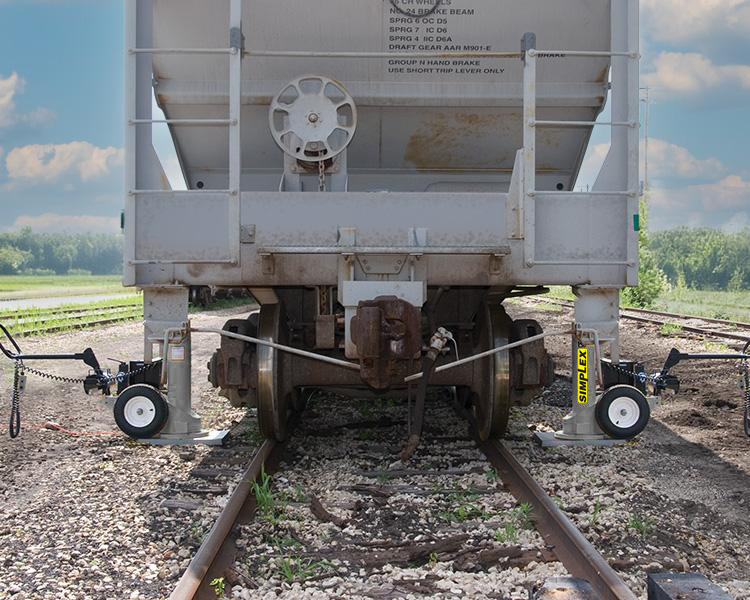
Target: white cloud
point(681, 22)
point(672, 161)
point(56, 223)
point(46, 163)
point(665, 161)
point(10, 87)
point(690, 73)
point(724, 203)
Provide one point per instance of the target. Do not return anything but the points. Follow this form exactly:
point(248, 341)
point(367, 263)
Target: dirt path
point(684, 484)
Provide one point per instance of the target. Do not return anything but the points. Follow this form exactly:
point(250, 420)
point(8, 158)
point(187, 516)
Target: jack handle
point(99, 379)
point(663, 379)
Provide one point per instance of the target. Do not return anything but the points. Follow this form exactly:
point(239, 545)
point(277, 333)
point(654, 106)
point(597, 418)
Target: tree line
point(25, 252)
point(694, 258)
point(704, 259)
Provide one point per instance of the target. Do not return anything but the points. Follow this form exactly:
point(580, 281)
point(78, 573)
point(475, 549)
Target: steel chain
point(644, 377)
point(20, 373)
point(108, 378)
point(321, 176)
point(746, 382)
point(14, 428)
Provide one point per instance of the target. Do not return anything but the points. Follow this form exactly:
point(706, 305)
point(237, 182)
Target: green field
point(18, 287)
point(66, 317)
point(734, 306)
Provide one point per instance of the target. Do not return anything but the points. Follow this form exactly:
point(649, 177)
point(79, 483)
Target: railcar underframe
point(370, 268)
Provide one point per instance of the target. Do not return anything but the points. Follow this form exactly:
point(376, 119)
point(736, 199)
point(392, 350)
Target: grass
point(520, 518)
point(596, 513)
point(267, 505)
point(523, 515)
point(733, 306)
point(508, 534)
point(294, 569)
point(219, 587)
point(72, 316)
point(639, 524)
point(15, 287)
point(670, 329)
point(463, 512)
point(71, 307)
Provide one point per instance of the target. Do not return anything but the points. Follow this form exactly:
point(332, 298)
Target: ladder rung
point(533, 123)
point(182, 50)
point(148, 192)
point(571, 193)
point(183, 121)
point(566, 53)
point(394, 55)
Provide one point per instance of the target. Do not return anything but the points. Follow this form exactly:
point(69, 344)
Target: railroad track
point(73, 319)
point(385, 520)
point(721, 328)
point(47, 312)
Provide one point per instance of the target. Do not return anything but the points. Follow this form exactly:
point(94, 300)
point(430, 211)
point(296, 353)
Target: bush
point(79, 272)
point(651, 282)
point(651, 279)
point(37, 272)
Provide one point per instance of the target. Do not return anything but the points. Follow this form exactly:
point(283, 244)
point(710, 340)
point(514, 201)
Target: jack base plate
point(550, 439)
point(203, 438)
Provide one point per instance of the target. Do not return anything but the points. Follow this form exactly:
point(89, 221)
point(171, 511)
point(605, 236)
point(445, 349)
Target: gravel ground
point(85, 517)
point(440, 526)
point(674, 499)
point(82, 517)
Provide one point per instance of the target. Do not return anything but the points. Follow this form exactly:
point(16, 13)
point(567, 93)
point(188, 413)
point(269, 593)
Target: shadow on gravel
point(698, 474)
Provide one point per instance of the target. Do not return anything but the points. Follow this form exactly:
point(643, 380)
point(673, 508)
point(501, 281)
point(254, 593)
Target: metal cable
point(290, 349)
point(413, 15)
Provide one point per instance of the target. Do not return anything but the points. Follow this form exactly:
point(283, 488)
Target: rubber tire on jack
point(154, 402)
point(633, 398)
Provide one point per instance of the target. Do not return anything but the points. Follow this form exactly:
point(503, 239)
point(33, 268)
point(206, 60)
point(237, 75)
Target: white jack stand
point(166, 327)
point(596, 310)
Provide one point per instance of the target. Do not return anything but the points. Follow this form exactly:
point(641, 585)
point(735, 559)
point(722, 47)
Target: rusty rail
point(737, 325)
point(210, 550)
point(573, 550)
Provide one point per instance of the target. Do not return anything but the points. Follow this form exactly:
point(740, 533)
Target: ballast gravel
point(85, 516)
point(345, 454)
point(81, 516)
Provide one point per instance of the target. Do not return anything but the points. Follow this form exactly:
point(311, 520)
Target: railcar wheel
point(492, 393)
point(141, 411)
point(623, 412)
point(274, 392)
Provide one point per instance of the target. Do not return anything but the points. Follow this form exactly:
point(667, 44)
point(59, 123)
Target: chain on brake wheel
point(321, 176)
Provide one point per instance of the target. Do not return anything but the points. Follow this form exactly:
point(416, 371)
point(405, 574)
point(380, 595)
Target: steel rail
point(573, 550)
point(72, 315)
point(70, 325)
point(45, 312)
point(194, 576)
point(727, 323)
point(689, 328)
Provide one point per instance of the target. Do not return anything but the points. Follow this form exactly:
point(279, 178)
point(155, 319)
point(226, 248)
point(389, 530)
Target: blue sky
point(61, 113)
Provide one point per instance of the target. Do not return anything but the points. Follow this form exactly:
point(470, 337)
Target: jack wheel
point(622, 412)
point(141, 411)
